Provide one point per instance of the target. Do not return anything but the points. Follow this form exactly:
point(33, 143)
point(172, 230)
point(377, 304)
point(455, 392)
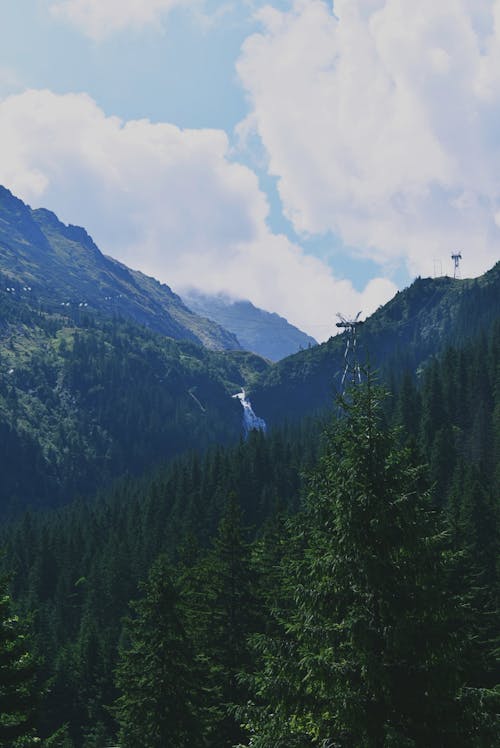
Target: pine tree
point(371, 642)
point(157, 672)
point(223, 614)
point(17, 679)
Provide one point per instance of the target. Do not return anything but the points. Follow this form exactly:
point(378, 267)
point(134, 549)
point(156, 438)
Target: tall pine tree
point(18, 693)
point(223, 612)
point(157, 673)
point(371, 644)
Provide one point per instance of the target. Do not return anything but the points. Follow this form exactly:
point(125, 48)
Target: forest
point(332, 583)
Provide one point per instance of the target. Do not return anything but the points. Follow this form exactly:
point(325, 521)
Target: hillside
point(259, 331)
point(94, 385)
point(85, 398)
point(60, 267)
point(401, 336)
point(78, 568)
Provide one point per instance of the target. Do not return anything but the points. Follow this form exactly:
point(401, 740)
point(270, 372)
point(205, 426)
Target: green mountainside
point(287, 557)
point(259, 331)
point(185, 587)
point(403, 335)
point(59, 266)
point(96, 385)
point(85, 398)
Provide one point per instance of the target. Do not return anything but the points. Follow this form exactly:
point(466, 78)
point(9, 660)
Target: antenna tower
point(352, 370)
point(456, 264)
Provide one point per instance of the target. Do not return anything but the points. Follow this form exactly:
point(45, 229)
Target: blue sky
point(182, 73)
point(309, 156)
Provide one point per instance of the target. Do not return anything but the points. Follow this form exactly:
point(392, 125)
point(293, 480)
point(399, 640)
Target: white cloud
point(380, 120)
point(169, 202)
point(99, 19)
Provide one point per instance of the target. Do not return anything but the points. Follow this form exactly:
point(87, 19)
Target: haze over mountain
point(258, 331)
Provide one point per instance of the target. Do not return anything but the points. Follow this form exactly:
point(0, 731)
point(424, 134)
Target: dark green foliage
point(18, 688)
point(157, 672)
point(302, 591)
point(403, 335)
point(79, 568)
point(60, 739)
point(224, 612)
point(91, 400)
point(91, 387)
point(370, 647)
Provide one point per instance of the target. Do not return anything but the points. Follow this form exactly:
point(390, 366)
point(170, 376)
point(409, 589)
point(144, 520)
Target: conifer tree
point(371, 643)
point(223, 614)
point(17, 679)
point(157, 673)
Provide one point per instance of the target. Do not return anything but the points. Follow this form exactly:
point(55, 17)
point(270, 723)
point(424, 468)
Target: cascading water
point(251, 422)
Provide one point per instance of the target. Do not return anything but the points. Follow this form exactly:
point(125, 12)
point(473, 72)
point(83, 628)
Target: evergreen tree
point(476, 533)
point(223, 613)
point(17, 679)
point(157, 672)
point(370, 649)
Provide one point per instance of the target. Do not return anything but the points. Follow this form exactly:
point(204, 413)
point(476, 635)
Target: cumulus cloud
point(170, 202)
point(99, 19)
point(380, 120)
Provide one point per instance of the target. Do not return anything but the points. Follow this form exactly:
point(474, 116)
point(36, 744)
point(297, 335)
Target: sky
point(311, 156)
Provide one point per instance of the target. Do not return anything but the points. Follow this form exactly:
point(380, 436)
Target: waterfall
point(251, 422)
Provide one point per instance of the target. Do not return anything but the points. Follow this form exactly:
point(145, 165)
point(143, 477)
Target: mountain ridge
point(62, 266)
point(265, 333)
point(89, 390)
point(402, 335)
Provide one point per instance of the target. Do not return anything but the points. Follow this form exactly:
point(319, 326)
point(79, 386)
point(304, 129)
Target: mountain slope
point(60, 266)
point(61, 563)
point(403, 335)
point(259, 331)
point(86, 395)
point(86, 398)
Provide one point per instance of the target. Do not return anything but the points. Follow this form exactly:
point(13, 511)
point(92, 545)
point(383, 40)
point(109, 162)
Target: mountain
point(88, 398)
point(402, 336)
point(259, 331)
point(102, 372)
point(60, 267)
point(76, 569)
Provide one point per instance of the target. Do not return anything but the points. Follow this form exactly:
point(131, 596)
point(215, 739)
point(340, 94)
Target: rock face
point(261, 332)
point(60, 266)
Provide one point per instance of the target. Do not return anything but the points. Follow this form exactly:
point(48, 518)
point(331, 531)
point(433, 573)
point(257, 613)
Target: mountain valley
point(150, 538)
point(90, 390)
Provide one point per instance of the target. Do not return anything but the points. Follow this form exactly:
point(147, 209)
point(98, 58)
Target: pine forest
point(333, 582)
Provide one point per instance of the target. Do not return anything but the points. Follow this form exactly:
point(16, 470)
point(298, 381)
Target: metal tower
point(456, 264)
point(352, 370)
